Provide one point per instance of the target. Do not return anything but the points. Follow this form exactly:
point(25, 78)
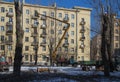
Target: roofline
point(51, 7)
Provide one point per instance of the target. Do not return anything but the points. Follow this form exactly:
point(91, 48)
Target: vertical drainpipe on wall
point(23, 2)
point(76, 34)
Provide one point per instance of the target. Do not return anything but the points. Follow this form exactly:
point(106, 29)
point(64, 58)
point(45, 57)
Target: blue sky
point(61, 3)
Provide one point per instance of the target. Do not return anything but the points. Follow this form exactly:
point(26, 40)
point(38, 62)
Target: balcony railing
point(66, 19)
point(82, 30)
point(82, 38)
point(44, 34)
point(66, 44)
point(82, 46)
point(8, 42)
point(43, 26)
point(43, 44)
point(43, 18)
point(66, 36)
point(35, 16)
point(9, 23)
point(82, 23)
point(9, 32)
point(34, 44)
point(34, 34)
point(9, 14)
point(34, 25)
point(65, 27)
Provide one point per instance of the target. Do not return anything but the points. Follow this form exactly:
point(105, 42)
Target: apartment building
point(41, 32)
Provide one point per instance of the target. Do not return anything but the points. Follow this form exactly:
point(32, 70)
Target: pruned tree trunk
point(104, 46)
point(19, 39)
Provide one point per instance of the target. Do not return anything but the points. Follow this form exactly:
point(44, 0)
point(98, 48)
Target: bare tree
point(19, 39)
point(105, 10)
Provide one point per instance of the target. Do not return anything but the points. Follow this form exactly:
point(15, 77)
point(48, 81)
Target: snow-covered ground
point(74, 71)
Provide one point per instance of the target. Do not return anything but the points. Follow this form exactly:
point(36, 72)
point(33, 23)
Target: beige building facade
point(41, 32)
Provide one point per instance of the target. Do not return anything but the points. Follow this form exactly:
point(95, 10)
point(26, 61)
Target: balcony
point(34, 25)
point(34, 34)
point(82, 30)
point(43, 26)
point(34, 44)
point(82, 46)
point(9, 14)
point(65, 27)
point(9, 42)
point(43, 18)
point(66, 44)
point(35, 16)
point(82, 23)
point(43, 44)
point(43, 35)
point(8, 32)
point(9, 24)
point(82, 38)
point(66, 19)
point(66, 36)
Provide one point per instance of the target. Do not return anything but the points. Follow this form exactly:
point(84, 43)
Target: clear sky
point(61, 3)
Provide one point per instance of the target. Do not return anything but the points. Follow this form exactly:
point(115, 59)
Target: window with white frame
point(72, 33)
point(2, 28)
point(2, 19)
point(27, 30)
point(2, 9)
point(11, 10)
point(60, 15)
point(72, 16)
point(27, 11)
point(9, 47)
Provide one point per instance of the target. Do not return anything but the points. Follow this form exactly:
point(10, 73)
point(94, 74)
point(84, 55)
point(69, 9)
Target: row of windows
point(2, 28)
point(2, 10)
point(9, 38)
point(2, 47)
point(53, 14)
point(2, 19)
point(27, 30)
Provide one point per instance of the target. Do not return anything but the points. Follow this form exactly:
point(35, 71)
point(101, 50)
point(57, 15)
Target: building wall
point(73, 48)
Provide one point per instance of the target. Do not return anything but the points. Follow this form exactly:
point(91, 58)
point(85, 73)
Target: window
point(82, 19)
point(26, 48)
point(11, 10)
point(52, 23)
point(116, 24)
point(36, 22)
point(66, 15)
point(52, 31)
point(59, 49)
point(26, 39)
point(44, 22)
point(72, 33)
point(10, 19)
point(27, 30)
point(2, 47)
point(44, 48)
point(72, 41)
point(44, 40)
point(72, 49)
point(52, 14)
point(27, 21)
point(59, 32)
point(2, 19)
point(2, 28)
point(72, 16)
point(66, 40)
point(116, 31)
point(10, 38)
point(27, 11)
point(44, 13)
point(66, 49)
point(72, 24)
point(117, 38)
point(60, 15)
point(60, 23)
point(116, 45)
point(9, 28)
point(2, 9)
point(2, 38)
point(9, 47)
point(26, 57)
